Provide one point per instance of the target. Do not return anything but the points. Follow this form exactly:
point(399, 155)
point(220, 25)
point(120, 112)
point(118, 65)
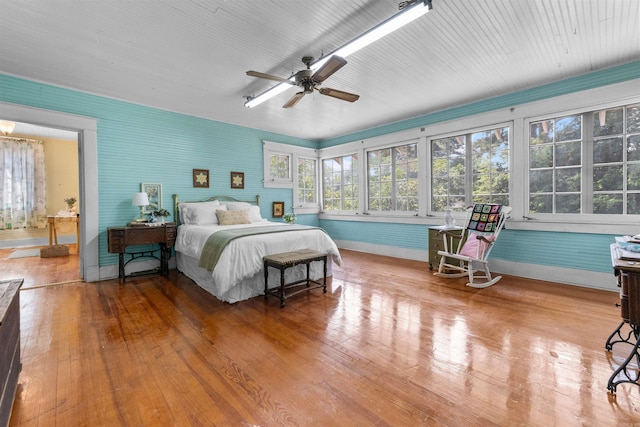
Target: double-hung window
point(586, 163)
point(470, 168)
point(340, 190)
point(295, 167)
point(307, 182)
point(392, 179)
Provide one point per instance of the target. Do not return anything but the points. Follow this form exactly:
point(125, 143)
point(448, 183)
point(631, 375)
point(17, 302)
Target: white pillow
point(201, 215)
point(254, 214)
point(236, 206)
point(186, 206)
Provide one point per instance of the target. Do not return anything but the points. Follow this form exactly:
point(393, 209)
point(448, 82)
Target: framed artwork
point(237, 179)
point(154, 193)
point(278, 209)
point(201, 178)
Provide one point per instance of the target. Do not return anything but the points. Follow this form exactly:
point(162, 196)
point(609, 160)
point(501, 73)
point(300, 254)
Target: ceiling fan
point(309, 80)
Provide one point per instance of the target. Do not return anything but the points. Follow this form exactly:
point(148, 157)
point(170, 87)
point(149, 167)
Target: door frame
point(86, 128)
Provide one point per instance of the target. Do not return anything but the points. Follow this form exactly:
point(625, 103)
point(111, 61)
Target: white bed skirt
point(249, 287)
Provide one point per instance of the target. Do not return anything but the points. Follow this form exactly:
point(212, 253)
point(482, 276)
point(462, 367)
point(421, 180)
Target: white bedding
point(240, 265)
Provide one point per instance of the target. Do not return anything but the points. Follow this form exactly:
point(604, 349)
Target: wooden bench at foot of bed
point(285, 260)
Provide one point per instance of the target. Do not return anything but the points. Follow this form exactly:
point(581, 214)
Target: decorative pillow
point(254, 214)
point(187, 206)
point(236, 206)
point(233, 217)
point(470, 247)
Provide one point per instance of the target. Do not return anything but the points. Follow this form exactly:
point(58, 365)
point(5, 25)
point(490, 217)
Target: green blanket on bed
point(219, 240)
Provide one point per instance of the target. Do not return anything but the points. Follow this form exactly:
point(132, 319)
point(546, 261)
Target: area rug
point(24, 253)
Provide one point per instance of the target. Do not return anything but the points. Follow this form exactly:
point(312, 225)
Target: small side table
point(436, 243)
point(285, 260)
point(53, 232)
point(122, 237)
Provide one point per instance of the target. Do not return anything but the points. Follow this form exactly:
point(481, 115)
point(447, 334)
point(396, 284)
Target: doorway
point(22, 248)
point(87, 147)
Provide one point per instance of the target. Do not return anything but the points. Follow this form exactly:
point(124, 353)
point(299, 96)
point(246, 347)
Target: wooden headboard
point(176, 202)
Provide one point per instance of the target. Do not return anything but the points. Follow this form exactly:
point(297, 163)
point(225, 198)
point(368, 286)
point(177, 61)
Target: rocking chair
point(484, 224)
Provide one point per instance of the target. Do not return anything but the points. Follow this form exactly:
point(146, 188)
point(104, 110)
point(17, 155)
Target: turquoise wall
point(138, 144)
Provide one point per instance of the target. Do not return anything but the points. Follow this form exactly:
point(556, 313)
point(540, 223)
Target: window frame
point(510, 125)
point(358, 163)
point(299, 206)
point(294, 152)
point(587, 164)
point(364, 181)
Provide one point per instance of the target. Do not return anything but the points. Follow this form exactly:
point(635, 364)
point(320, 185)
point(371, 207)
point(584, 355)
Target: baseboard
point(565, 276)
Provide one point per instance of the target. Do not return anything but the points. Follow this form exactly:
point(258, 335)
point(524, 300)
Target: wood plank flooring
point(388, 345)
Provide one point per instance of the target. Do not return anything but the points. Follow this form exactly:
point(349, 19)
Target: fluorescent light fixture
point(6, 127)
point(407, 15)
point(268, 94)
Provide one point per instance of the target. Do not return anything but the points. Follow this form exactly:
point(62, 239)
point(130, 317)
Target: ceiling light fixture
point(6, 127)
point(410, 11)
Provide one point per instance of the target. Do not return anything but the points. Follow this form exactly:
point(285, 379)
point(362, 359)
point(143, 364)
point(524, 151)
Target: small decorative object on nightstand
point(140, 199)
point(289, 218)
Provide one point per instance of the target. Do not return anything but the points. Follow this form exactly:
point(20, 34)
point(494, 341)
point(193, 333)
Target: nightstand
point(436, 243)
point(120, 238)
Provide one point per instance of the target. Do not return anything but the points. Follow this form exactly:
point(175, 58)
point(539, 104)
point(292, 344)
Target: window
point(555, 165)
point(586, 163)
point(280, 169)
point(392, 179)
point(616, 160)
point(340, 183)
point(307, 177)
point(470, 168)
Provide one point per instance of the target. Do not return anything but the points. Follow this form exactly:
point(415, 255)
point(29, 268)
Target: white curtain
point(22, 179)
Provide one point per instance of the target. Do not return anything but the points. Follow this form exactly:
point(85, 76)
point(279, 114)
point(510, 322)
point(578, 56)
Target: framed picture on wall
point(154, 193)
point(237, 179)
point(278, 209)
point(201, 178)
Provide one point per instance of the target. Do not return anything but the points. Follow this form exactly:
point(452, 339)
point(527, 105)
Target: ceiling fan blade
point(293, 100)
point(268, 77)
point(345, 96)
point(328, 68)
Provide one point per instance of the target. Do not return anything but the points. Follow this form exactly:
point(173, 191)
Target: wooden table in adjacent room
point(54, 220)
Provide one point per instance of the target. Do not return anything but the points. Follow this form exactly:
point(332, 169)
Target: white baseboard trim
point(392, 251)
point(565, 276)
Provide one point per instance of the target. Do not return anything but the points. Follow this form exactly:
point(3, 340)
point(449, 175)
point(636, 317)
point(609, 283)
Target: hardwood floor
point(38, 271)
point(389, 344)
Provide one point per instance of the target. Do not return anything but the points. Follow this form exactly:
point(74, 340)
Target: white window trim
point(268, 150)
point(299, 207)
point(294, 152)
point(593, 219)
point(365, 169)
point(483, 128)
point(608, 96)
point(321, 181)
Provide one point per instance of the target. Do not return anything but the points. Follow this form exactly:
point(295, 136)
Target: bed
point(233, 270)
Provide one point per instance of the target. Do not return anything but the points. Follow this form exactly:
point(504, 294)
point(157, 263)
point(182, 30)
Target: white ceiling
point(190, 56)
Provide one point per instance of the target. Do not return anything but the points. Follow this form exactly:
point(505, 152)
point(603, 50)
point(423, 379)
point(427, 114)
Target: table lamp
point(142, 200)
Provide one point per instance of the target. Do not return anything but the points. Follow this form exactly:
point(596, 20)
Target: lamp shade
point(140, 199)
